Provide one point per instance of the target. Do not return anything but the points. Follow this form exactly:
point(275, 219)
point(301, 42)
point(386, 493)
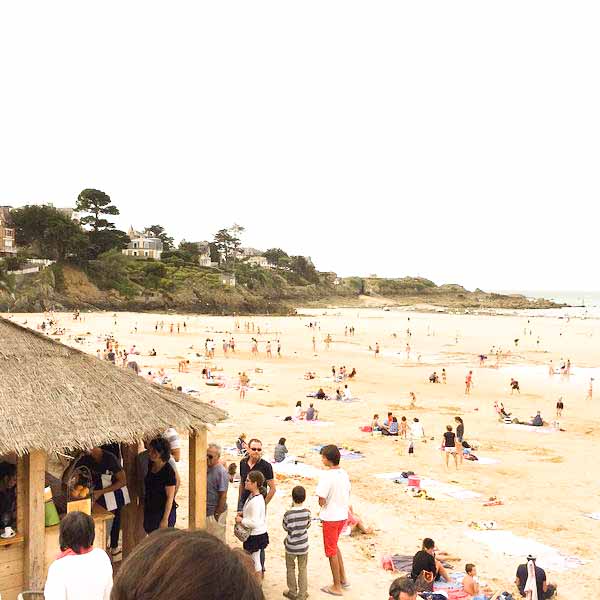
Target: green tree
point(303, 267)
point(159, 232)
point(277, 257)
point(96, 203)
point(48, 232)
point(227, 242)
point(110, 271)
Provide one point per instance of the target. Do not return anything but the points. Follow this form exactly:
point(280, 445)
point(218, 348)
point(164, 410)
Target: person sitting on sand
point(298, 412)
point(385, 426)
point(280, 450)
point(241, 445)
point(433, 378)
point(153, 352)
point(375, 423)
point(338, 395)
point(352, 373)
point(537, 421)
point(311, 413)
point(347, 393)
point(531, 578)
point(426, 566)
point(320, 395)
point(355, 523)
point(470, 582)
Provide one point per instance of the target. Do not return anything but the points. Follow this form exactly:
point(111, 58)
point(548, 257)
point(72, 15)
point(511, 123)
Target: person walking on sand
point(244, 381)
point(449, 445)
point(460, 436)
point(376, 349)
point(590, 390)
point(559, 407)
point(444, 376)
point(333, 491)
point(468, 383)
point(269, 353)
point(314, 343)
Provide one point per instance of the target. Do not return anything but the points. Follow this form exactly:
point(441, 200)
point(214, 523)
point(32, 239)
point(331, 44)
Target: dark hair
point(282, 441)
point(394, 420)
point(428, 544)
point(179, 565)
point(76, 532)
point(448, 427)
point(298, 494)
point(469, 567)
point(458, 419)
point(404, 418)
point(299, 403)
point(161, 446)
point(254, 440)
point(257, 477)
point(400, 585)
point(390, 413)
point(332, 453)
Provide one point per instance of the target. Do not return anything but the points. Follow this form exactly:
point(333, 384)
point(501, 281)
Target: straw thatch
point(53, 397)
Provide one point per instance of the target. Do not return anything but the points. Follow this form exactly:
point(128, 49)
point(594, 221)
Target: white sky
point(454, 140)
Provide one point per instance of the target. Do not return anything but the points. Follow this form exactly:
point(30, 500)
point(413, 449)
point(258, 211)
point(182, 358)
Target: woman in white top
point(254, 518)
point(416, 430)
point(80, 571)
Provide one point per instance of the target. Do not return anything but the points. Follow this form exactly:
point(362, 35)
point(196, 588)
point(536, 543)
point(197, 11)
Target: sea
point(581, 304)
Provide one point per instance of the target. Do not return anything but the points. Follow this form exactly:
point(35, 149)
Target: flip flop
point(327, 590)
point(346, 585)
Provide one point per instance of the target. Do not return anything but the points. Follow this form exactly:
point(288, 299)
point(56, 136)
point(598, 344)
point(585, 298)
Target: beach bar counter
point(56, 400)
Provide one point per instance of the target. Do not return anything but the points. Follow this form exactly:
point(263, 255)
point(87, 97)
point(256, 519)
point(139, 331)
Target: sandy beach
point(547, 479)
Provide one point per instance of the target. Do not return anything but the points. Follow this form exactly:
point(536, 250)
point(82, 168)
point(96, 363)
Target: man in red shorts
point(333, 491)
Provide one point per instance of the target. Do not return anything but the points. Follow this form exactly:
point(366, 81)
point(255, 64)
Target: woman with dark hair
point(253, 517)
point(160, 484)
point(185, 565)
point(280, 451)
point(80, 571)
point(460, 436)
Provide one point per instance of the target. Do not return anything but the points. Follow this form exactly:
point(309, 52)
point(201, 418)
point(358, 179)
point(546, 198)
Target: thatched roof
point(53, 397)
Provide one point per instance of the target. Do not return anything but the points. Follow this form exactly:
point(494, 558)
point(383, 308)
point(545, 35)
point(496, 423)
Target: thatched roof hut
point(54, 397)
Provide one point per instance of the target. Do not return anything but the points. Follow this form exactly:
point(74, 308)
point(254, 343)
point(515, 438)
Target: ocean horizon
point(583, 304)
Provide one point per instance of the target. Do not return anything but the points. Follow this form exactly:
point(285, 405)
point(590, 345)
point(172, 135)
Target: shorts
point(451, 449)
point(331, 535)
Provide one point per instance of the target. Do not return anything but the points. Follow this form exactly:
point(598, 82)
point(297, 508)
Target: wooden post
point(130, 514)
point(197, 479)
point(35, 533)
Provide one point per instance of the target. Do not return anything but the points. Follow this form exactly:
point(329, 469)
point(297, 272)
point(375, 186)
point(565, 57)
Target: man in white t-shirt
point(333, 491)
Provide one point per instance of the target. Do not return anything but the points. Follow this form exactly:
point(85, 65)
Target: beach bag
point(424, 582)
point(241, 532)
point(116, 499)
point(366, 428)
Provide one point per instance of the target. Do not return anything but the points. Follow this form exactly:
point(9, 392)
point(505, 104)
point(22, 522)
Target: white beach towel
point(506, 542)
point(531, 428)
point(448, 489)
point(594, 515)
point(291, 467)
point(530, 588)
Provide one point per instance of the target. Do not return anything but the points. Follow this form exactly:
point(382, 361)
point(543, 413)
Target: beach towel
point(530, 588)
point(448, 489)
point(484, 460)
point(344, 453)
point(391, 476)
point(530, 428)
point(594, 515)
point(509, 544)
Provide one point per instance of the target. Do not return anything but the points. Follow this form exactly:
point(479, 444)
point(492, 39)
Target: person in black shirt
point(449, 445)
point(8, 495)
point(100, 462)
point(159, 484)
point(425, 560)
point(545, 590)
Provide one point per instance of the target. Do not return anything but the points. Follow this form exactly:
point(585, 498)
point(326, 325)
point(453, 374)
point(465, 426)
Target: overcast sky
point(454, 140)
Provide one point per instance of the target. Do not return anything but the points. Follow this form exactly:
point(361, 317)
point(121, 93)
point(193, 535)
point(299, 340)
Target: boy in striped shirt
point(296, 522)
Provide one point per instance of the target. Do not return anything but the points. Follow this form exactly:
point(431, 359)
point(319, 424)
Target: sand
point(547, 482)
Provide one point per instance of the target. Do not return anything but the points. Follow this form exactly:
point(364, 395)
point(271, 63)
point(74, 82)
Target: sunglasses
point(256, 449)
point(210, 456)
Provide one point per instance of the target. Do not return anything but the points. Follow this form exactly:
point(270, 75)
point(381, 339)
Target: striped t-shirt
point(296, 522)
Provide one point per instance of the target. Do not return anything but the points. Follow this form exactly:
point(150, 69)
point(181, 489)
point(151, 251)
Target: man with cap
point(531, 578)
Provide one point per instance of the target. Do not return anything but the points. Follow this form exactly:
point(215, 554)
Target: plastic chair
point(30, 595)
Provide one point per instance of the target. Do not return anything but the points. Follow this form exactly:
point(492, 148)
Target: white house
point(142, 246)
point(259, 261)
point(228, 279)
